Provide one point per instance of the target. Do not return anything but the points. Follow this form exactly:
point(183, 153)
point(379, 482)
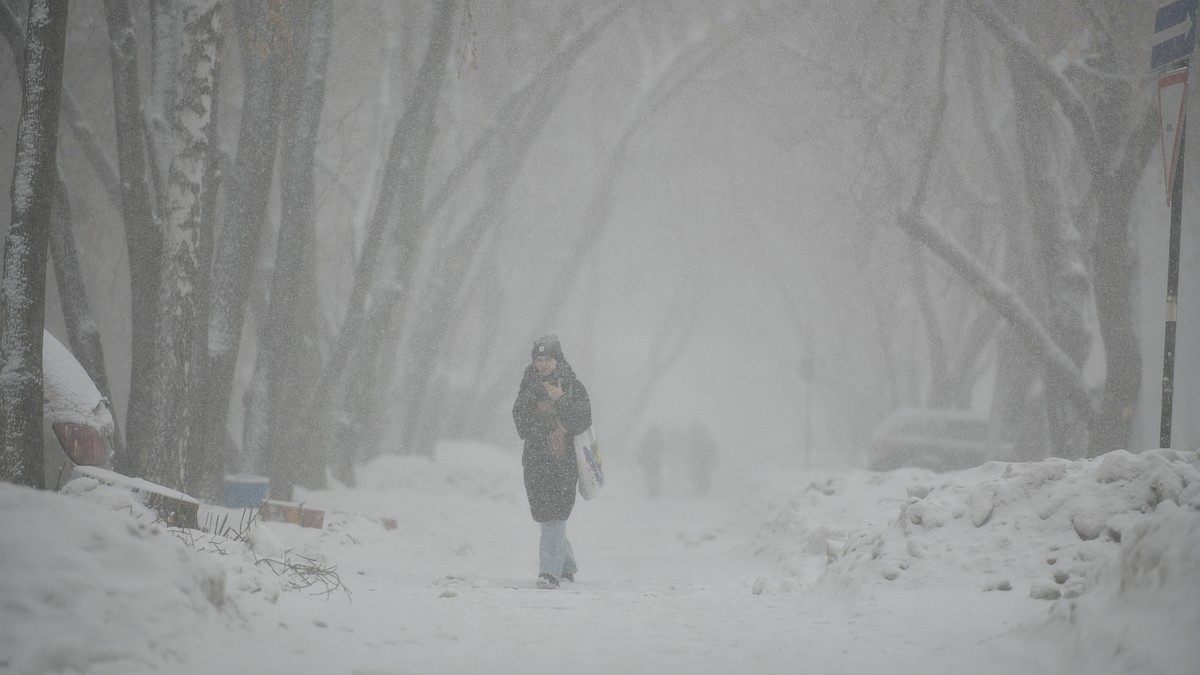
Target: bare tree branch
point(679, 73)
point(1007, 303)
point(1019, 46)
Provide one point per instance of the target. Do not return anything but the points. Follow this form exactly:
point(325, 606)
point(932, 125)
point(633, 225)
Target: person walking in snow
point(552, 407)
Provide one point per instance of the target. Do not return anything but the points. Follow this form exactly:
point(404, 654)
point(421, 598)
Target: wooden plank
point(296, 514)
point(175, 508)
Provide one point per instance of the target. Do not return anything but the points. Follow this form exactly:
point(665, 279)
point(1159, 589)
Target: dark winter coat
point(550, 479)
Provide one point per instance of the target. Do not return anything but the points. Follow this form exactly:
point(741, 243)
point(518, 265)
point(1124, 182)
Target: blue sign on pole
point(1174, 33)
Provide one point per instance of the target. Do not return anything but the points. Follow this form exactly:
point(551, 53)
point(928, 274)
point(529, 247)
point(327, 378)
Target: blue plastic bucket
point(246, 490)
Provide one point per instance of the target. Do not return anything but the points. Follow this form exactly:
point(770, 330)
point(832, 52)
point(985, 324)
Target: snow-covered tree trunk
point(1107, 118)
point(1062, 367)
point(263, 42)
point(1124, 113)
point(1061, 255)
point(23, 281)
point(1114, 264)
point(82, 330)
point(181, 344)
point(287, 357)
point(71, 116)
point(159, 110)
point(365, 396)
point(143, 238)
point(1018, 413)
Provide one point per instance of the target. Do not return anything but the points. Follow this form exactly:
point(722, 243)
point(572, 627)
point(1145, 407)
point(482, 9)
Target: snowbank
point(84, 587)
point(1143, 612)
point(90, 583)
point(1114, 541)
point(793, 526)
point(1040, 528)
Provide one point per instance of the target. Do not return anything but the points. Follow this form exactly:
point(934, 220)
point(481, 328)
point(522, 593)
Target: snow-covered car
point(77, 424)
point(936, 439)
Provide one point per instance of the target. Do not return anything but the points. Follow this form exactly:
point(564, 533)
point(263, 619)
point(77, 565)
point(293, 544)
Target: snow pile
point(1040, 528)
point(84, 587)
point(795, 527)
point(1143, 614)
point(110, 497)
point(90, 582)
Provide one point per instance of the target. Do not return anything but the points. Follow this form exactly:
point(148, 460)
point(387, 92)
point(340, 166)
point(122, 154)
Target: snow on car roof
point(69, 394)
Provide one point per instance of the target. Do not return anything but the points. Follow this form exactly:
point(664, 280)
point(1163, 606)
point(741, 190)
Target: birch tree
point(181, 346)
point(23, 279)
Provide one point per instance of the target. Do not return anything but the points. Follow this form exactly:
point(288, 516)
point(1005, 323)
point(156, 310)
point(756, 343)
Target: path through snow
point(832, 572)
point(664, 586)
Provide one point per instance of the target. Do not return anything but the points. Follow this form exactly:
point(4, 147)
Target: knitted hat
point(547, 345)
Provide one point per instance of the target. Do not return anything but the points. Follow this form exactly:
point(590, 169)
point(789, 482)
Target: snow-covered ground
point(1059, 566)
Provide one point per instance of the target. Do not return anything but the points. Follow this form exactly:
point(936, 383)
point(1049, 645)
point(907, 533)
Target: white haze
point(750, 227)
point(738, 198)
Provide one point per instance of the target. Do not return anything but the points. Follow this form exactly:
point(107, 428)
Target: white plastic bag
point(587, 460)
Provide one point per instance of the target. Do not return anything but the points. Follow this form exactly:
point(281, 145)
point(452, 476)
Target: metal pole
point(1168, 383)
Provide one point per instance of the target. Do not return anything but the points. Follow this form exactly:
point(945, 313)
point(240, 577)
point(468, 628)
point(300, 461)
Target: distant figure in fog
point(701, 456)
point(650, 458)
point(552, 407)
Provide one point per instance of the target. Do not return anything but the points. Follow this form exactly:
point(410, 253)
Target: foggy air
point(360, 336)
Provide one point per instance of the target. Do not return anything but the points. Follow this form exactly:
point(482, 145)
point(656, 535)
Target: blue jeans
point(554, 551)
